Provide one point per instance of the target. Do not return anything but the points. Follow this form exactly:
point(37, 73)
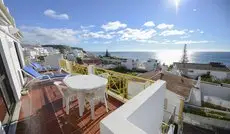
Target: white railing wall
point(140, 115)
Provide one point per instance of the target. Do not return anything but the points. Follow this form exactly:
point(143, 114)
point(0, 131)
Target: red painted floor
point(42, 113)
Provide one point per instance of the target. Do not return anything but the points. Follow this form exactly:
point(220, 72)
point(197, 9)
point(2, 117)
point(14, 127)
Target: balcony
point(42, 112)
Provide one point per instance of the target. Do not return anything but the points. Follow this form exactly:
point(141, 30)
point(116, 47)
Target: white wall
point(11, 63)
point(140, 115)
point(135, 88)
point(216, 91)
point(219, 74)
point(53, 60)
point(172, 99)
point(216, 74)
point(195, 97)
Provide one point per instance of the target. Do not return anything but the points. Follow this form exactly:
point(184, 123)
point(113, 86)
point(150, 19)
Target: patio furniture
point(41, 68)
point(91, 69)
point(106, 76)
point(67, 94)
point(37, 77)
point(89, 87)
point(97, 95)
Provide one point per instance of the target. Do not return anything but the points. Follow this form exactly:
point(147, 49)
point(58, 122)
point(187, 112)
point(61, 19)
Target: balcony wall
point(142, 114)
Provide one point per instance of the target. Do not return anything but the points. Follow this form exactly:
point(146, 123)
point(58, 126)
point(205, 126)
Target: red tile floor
point(42, 113)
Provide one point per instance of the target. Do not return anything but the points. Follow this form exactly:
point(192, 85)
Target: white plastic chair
point(97, 95)
point(106, 76)
point(90, 69)
point(67, 95)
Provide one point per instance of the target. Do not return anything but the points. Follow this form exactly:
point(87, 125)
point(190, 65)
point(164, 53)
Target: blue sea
point(170, 56)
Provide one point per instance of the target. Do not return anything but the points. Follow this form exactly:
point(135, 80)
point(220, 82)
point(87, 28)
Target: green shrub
point(210, 114)
point(209, 105)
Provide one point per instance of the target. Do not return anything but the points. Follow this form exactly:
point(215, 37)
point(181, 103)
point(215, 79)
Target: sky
point(125, 25)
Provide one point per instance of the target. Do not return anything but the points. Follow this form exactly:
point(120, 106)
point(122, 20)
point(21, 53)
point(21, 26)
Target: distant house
point(130, 64)
point(33, 51)
point(51, 50)
point(78, 53)
point(193, 70)
point(150, 64)
point(30, 53)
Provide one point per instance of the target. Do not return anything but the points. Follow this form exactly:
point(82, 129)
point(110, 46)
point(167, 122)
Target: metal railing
point(117, 82)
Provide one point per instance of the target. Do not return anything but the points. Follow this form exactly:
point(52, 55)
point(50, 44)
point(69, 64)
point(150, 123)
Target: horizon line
point(191, 50)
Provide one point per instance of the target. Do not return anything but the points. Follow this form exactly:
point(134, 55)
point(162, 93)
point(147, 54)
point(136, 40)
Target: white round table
point(83, 84)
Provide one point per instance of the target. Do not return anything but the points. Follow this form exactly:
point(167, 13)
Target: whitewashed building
point(79, 53)
point(33, 51)
point(11, 60)
point(130, 64)
point(150, 64)
point(30, 53)
point(51, 50)
point(193, 70)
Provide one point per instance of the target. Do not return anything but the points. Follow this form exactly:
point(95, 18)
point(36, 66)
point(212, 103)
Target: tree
point(107, 53)
point(79, 60)
point(184, 58)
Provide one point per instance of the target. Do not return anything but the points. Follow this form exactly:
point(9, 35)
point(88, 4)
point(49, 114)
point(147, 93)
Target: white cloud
point(86, 27)
point(136, 34)
point(192, 42)
point(194, 10)
point(99, 34)
point(201, 32)
point(107, 42)
point(52, 14)
point(149, 24)
point(165, 26)
point(191, 31)
point(113, 26)
point(34, 35)
point(185, 36)
point(172, 32)
point(148, 41)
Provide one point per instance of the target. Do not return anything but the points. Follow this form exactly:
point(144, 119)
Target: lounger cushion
point(53, 76)
point(31, 71)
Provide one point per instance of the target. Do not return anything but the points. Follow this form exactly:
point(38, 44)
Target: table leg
point(81, 102)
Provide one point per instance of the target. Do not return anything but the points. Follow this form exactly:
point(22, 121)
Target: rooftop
point(41, 112)
point(211, 66)
point(177, 84)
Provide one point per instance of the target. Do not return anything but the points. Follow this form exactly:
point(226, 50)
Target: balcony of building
point(133, 102)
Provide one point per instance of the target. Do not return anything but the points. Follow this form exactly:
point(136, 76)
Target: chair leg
point(106, 94)
point(106, 105)
point(92, 107)
point(63, 102)
point(67, 105)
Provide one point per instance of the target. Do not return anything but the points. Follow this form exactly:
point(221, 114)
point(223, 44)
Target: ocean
point(168, 57)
